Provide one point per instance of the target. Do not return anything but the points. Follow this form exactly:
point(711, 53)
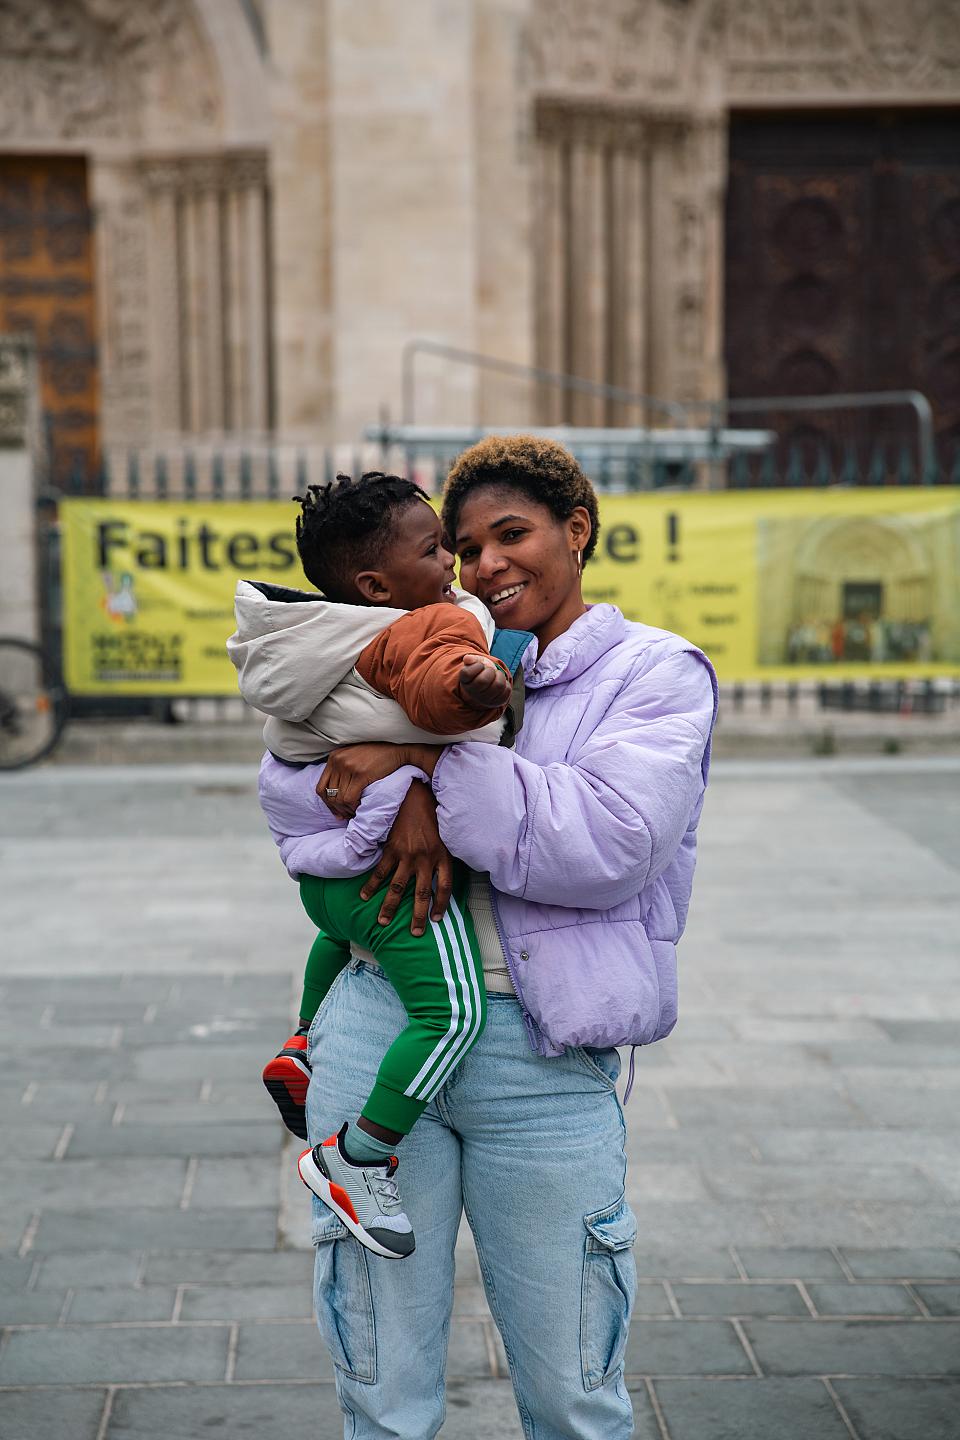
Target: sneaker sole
point(320, 1186)
point(287, 1082)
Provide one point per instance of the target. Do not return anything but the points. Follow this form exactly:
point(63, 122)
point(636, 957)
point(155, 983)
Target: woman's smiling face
point(521, 560)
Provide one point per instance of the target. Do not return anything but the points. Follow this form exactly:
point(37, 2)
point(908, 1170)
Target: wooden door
point(843, 269)
point(47, 291)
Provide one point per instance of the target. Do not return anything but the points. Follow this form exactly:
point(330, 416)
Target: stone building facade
point(260, 202)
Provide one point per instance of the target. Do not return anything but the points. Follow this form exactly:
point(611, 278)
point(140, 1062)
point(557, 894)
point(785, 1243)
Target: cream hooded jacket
point(296, 653)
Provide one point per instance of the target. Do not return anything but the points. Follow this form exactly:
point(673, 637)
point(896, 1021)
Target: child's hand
point(482, 683)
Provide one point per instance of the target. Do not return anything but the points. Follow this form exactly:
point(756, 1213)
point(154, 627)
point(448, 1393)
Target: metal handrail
point(577, 383)
point(871, 399)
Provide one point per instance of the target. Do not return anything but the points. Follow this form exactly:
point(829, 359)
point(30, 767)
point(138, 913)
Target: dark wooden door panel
point(47, 291)
point(843, 267)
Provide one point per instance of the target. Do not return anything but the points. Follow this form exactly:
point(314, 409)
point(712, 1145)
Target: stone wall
point(280, 210)
point(19, 600)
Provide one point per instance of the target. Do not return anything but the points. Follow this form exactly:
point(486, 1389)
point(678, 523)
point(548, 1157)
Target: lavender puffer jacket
point(587, 827)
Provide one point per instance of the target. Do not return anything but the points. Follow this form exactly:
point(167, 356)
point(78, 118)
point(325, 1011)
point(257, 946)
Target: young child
point(388, 651)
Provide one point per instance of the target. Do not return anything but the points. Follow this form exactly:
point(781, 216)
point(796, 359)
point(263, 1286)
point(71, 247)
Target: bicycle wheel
point(32, 712)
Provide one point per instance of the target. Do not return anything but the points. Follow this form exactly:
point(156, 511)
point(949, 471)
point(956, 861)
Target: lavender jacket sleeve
point(311, 841)
point(593, 830)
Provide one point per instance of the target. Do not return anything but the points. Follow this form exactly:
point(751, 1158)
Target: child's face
point(416, 568)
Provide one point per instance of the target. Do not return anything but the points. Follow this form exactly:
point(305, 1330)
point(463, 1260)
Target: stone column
point(257, 320)
point(19, 601)
point(120, 205)
point(212, 347)
point(302, 213)
point(660, 361)
point(627, 355)
point(687, 180)
point(196, 380)
point(403, 195)
point(164, 305)
point(236, 338)
point(507, 229)
point(549, 247)
point(714, 382)
point(587, 280)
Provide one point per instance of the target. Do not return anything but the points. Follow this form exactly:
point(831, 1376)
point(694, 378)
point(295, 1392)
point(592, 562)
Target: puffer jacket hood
point(292, 648)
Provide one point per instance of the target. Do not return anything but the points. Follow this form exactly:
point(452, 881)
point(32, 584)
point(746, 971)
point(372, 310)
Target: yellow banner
point(148, 589)
point(773, 585)
point(792, 584)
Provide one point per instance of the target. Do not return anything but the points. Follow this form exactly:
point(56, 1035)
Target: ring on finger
point(332, 790)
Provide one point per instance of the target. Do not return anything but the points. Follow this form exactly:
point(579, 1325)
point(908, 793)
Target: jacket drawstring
point(630, 1073)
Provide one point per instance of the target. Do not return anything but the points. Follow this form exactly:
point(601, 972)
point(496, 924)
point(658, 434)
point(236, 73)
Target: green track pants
point(438, 977)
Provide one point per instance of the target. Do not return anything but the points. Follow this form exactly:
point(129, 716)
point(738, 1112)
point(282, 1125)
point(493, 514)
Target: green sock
point(364, 1149)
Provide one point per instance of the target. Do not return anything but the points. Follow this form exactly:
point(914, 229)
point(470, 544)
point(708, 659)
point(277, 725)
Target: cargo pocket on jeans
point(609, 1286)
point(342, 1299)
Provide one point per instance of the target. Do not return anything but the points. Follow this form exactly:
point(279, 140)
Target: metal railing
point(651, 405)
point(616, 459)
point(874, 438)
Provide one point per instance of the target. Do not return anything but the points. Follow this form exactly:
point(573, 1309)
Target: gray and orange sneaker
point(287, 1077)
point(365, 1197)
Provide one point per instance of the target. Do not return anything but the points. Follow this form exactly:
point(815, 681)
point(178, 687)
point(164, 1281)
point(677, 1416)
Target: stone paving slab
point(230, 1182)
point(895, 1264)
point(15, 1272)
point(852, 1347)
point(685, 1262)
point(32, 1414)
point(38, 1307)
point(739, 1299)
point(212, 1138)
point(939, 1299)
point(107, 1354)
point(13, 1225)
point(283, 1351)
point(99, 1303)
point(95, 1182)
point(259, 1412)
point(228, 1267)
point(29, 1142)
point(73, 1268)
point(135, 1228)
point(766, 1262)
point(847, 1299)
point(248, 1302)
point(902, 1409)
point(749, 1410)
point(699, 1347)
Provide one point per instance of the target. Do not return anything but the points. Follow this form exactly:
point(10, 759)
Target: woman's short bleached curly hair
point(539, 468)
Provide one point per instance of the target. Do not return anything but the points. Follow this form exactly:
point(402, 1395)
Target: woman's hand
point(351, 768)
point(413, 848)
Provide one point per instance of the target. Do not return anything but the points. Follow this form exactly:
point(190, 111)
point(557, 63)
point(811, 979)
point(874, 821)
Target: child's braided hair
point(344, 526)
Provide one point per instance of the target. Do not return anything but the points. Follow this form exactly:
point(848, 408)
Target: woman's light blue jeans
point(532, 1150)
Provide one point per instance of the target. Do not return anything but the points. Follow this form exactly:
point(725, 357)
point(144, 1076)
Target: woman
point(581, 840)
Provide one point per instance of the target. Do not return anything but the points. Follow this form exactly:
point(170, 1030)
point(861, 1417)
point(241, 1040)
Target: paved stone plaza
point(795, 1148)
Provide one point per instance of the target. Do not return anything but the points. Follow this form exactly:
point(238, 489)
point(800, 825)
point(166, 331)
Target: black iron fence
point(261, 473)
